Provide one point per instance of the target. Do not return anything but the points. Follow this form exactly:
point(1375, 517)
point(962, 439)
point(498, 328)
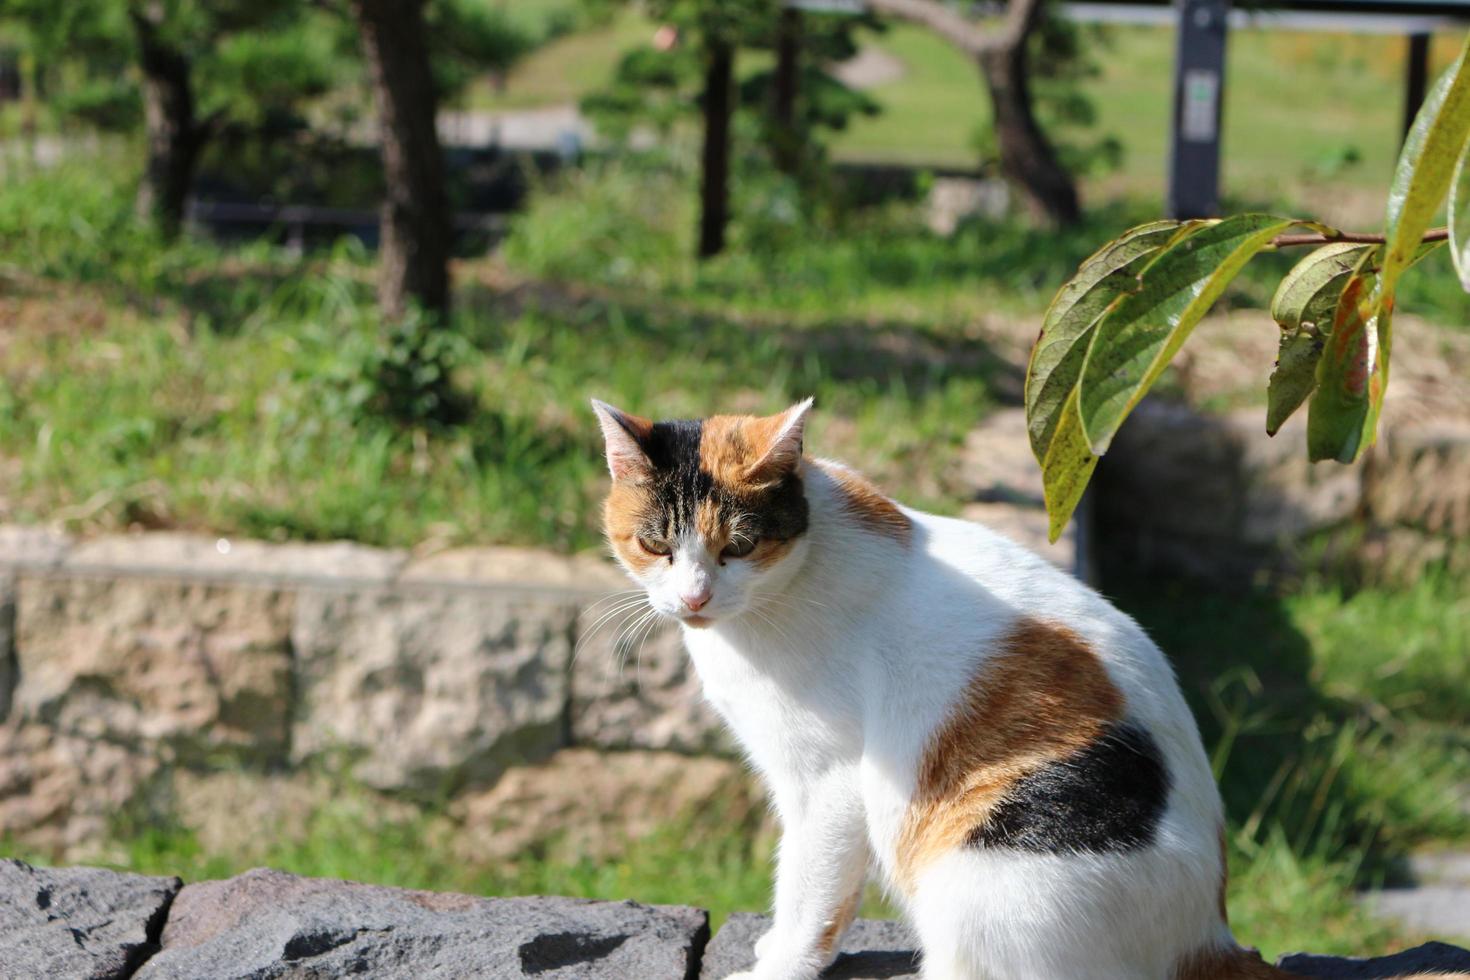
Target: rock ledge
point(95, 924)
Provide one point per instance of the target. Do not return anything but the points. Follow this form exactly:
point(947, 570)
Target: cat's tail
point(1236, 963)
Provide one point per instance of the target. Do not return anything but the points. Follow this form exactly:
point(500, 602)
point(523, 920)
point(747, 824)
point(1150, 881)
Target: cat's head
point(706, 514)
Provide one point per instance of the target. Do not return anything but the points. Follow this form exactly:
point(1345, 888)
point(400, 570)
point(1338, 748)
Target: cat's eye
point(739, 547)
point(653, 546)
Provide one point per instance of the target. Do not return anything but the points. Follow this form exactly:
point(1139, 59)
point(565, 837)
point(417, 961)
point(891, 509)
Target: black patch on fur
point(680, 484)
point(1106, 798)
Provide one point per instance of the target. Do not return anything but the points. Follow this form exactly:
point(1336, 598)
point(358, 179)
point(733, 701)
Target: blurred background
point(299, 493)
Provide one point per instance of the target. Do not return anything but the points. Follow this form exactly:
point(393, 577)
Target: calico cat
point(929, 702)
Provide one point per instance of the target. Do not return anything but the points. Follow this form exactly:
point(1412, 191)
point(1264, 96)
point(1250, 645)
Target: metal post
point(1199, 91)
point(1416, 81)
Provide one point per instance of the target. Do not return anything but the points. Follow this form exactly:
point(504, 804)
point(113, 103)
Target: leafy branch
point(1329, 237)
point(1112, 329)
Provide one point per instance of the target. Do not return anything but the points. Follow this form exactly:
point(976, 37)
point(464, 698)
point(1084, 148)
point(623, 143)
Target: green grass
point(238, 395)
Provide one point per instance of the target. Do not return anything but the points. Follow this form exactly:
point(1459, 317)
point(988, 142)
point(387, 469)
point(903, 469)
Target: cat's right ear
point(624, 435)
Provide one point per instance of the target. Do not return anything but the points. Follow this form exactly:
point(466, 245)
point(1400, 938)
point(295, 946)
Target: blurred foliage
point(1066, 58)
point(653, 89)
point(1116, 325)
point(252, 61)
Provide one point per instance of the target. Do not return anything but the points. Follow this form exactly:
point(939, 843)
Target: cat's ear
point(781, 443)
point(624, 435)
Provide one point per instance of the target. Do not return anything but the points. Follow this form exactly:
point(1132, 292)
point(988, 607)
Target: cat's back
point(972, 589)
point(961, 560)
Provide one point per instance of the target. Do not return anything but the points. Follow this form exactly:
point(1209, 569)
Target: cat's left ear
point(624, 435)
point(783, 443)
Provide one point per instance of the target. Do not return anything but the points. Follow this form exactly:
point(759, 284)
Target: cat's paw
point(766, 944)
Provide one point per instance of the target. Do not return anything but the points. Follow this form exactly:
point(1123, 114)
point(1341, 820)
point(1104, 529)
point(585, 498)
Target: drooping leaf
point(1066, 468)
point(1294, 377)
point(1340, 404)
point(1303, 306)
point(1308, 293)
point(1138, 336)
point(1378, 380)
point(1460, 218)
point(1425, 168)
point(1056, 359)
point(1321, 312)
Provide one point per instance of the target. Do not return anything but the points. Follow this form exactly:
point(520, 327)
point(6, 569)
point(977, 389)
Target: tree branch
point(1291, 241)
point(958, 29)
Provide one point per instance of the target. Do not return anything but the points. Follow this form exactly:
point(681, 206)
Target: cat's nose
point(697, 600)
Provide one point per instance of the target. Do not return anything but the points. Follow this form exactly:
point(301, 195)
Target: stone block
point(633, 686)
point(78, 923)
point(61, 793)
point(871, 949)
point(430, 691)
point(1435, 958)
point(202, 669)
point(271, 924)
point(31, 548)
point(591, 804)
point(179, 555)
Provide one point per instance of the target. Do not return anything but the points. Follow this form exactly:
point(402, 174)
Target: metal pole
point(1199, 91)
point(1416, 80)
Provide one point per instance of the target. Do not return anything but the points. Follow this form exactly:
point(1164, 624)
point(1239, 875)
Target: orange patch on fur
point(841, 919)
point(1043, 696)
point(769, 551)
point(625, 502)
point(710, 525)
point(731, 446)
point(728, 445)
point(1227, 963)
point(866, 504)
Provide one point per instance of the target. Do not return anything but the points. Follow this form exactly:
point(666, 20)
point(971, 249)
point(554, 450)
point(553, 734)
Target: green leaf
point(1460, 219)
point(1426, 165)
point(1138, 337)
point(1346, 373)
point(1056, 359)
point(1294, 378)
point(1309, 292)
point(1066, 468)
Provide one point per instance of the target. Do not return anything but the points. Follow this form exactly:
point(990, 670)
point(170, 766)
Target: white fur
point(835, 667)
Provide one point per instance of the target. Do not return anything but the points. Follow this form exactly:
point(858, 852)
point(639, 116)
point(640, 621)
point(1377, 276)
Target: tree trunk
point(414, 247)
point(714, 194)
point(174, 135)
point(785, 137)
point(1026, 156)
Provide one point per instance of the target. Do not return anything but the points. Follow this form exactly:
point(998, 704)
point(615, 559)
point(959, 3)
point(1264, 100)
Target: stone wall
point(125, 661)
point(189, 676)
point(92, 924)
point(1211, 495)
point(1194, 484)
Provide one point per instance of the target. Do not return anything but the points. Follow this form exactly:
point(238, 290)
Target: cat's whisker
point(629, 617)
point(638, 661)
point(625, 639)
point(603, 621)
point(612, 598)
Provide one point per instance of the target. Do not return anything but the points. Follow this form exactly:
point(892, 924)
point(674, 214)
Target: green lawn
point(239, 394)
point(1302, 109)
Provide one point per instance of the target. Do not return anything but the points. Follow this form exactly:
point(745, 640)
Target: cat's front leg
point(821, 866)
